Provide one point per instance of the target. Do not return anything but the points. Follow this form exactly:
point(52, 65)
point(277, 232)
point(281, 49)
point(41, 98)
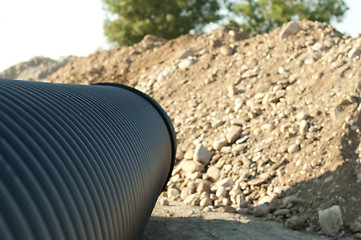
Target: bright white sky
point(52, 29)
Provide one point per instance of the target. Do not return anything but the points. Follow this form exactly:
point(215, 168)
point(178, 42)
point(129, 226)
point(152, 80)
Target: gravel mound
point(36, 69)
point(267, 125)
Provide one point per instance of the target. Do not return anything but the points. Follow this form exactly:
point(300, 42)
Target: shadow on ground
point(180, 222)
point(206, 227)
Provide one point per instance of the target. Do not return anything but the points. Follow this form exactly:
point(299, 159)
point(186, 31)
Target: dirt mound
point(268, 119)
point(36, 69)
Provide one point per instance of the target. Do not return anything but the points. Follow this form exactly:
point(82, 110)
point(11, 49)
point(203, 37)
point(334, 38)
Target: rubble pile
point(36, 69)
point(267, 125)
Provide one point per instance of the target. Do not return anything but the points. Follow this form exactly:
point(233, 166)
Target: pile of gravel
point(36, 69)
point(267, 125)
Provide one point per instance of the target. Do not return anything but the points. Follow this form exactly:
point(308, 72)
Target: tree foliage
point(130, 20)
point(264, 15)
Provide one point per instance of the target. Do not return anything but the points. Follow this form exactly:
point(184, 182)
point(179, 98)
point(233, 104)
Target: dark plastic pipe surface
point(80, 162)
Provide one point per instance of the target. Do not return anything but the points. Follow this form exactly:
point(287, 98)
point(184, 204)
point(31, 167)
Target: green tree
point(264, 15)
point(129, 21)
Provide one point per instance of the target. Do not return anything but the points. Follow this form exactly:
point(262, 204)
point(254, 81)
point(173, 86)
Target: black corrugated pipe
point(80, 162)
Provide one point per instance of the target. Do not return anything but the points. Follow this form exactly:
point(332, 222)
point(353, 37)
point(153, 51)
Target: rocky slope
point(267, 125)
point(35, 69)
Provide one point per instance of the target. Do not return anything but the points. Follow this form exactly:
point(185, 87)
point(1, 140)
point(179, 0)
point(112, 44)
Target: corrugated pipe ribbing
point(80, 162)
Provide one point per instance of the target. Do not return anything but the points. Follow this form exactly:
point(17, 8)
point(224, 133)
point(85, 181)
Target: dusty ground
point(182, 222)
point(271, 119)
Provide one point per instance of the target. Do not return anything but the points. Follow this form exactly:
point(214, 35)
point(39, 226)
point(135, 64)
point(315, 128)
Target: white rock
point(203, 187)
point(251, 72)
point(279, 190)
point(242, 139)
point(355, 227)
point(189, 154)
point(281, 70)
point(193, 176)
point(293, 148)
point(238, 122)
point(226, 202)
point(205, 202)
point(268, 126)
point(290, 29)
point(177, 169)
point(191, 166)
point(202, 154)
point(226, 149)
point(301, 115)
point(192, 185)
point(243, 174)
point(238, 148)
point(219, 143)
point(231, 91)
point(265, 199)
point(186, 192)
point(318, 47)
point(185, 64)
point(233, 134)
point(218, 203)
point(354, 52)
point(221, 192)
point(303, 127)
point(234, 192)
point(226, 50)
point(237, 107)
point(217, 123)
point(233, 35)
point(172, 193)
point(192, 199)
point(214, 173)
point(330, 220)
point(179, 155)
point(226, 182)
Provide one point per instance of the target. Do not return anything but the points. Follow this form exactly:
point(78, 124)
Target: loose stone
point(243, 211)
point(164, 202)
point(219, 143)
point(172, 193)
point(221, 192)
point(330, 220)
point(205, 202)
point(296, 222)
point(261, 210)
point(290, 29)
point(214, 173)
point(233, 134)
point(226, 50)
point(185, 64)
point(355, 227)
point(293, 148)
point(202, 154)
point(227, 209)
